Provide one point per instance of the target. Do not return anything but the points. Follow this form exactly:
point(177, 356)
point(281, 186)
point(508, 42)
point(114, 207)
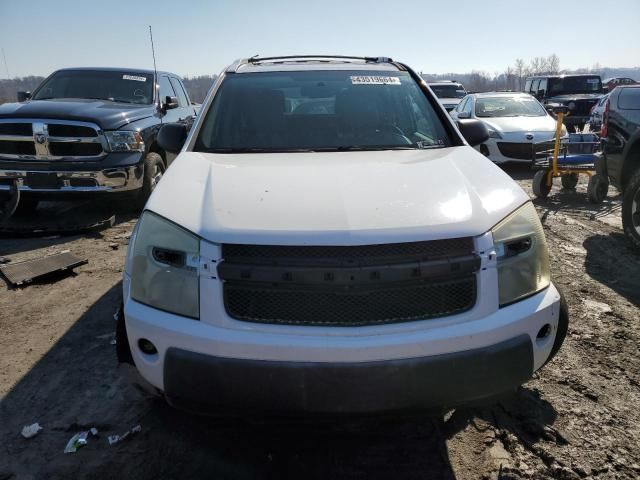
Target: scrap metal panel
point(21, 272)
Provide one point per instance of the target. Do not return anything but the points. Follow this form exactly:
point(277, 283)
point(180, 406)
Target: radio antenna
point(6, 67)
point(153, 53)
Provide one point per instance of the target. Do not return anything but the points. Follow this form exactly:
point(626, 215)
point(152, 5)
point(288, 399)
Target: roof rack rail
point(255, 60)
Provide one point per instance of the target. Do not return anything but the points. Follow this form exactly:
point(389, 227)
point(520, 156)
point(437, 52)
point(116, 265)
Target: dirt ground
point(577, 418)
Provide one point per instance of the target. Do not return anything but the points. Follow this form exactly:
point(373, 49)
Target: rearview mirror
point(171, 137)
point(170, 103)
point(24, 96)
point(474, 131)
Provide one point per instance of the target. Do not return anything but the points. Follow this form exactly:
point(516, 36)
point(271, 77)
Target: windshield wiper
point(364, 148)
point(255, 150)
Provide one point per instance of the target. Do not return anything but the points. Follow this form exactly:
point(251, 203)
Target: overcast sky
point(200, 37)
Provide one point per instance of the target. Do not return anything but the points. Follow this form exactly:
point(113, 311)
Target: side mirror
point(464, 115)
point(474, 131)
point(170, 103)
point(24, 96)
point(171, 137)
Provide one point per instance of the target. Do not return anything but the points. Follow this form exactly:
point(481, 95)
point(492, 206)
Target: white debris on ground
point(32, 430)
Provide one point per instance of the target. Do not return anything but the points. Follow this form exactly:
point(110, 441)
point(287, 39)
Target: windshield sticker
point(133, 77)
point(373, 80)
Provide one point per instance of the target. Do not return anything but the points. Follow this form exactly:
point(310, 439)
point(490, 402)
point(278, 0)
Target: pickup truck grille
point(46, 139)
point(349, 285)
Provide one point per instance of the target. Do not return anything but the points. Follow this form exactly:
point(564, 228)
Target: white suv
point(328, 241)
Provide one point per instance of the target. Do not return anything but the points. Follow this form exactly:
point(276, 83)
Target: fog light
point(484, 150)
point(147, 347)
point(544, 332)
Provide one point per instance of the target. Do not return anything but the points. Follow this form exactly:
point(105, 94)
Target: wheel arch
point(631, 160)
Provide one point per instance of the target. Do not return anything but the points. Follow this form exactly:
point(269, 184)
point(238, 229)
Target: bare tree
point(519, 72)
point(553, 63)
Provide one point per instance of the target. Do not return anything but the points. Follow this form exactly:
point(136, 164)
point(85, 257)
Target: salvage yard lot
point(578, 417)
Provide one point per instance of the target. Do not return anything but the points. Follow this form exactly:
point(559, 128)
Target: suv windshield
point(509, 107)
point(123, 87)
point(448, 91)
point(566, 85)
point(320, 111)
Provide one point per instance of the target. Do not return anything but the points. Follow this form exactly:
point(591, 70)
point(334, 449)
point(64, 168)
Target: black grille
point(62, 149)
point(349, 285)
point(368, 254)
point(349, 308)
point(60, 130)
point(17, 148)
point(521, 151)
point(23, 129)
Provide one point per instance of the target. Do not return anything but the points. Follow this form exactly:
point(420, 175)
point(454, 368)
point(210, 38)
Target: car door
point(186, 110)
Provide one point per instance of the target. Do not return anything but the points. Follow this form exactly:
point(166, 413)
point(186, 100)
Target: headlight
point(163, 264)
point(523, 260)
point(125, 141)
point(493, 133)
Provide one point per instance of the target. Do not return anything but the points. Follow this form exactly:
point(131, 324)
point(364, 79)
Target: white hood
point(521, 124)
point(341, 198)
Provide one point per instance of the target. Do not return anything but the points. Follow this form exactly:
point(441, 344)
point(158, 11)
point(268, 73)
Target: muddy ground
point(577, 418)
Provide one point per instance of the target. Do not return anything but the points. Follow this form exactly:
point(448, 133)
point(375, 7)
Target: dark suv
point(578, 92)
point(84, 131)
point(621, 154)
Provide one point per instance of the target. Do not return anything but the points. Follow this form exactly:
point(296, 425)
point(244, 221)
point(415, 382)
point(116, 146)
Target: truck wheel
point(540, 187)
point(569, 180)
point(631, 210)
point(597, 188)
point(153, 171)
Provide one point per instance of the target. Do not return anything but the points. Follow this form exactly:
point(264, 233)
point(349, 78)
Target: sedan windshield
point(567, 85)
point(509, 107)
point(320, 111)
point(123, 87)
point(448, 91)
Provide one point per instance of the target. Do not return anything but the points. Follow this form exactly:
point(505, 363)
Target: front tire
point(597, 188)
point(540, 187)
point(631, 210)
point(153, 171)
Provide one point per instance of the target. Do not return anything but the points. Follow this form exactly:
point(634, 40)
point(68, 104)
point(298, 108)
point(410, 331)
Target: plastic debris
point(29, 431)
point(116, 315)
point(79, 440)
point(113, 439)
point(113, 341)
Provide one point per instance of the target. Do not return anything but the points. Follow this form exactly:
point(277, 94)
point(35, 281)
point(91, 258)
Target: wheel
point(563, 327)
point(153, 171)
point(597, 188)
point(631, 210)
point(569, 180)
point(9, 202)
point(540, 187)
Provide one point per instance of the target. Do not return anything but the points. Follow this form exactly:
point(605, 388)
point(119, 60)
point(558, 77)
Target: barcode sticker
point(133, 77)
point(374, 80)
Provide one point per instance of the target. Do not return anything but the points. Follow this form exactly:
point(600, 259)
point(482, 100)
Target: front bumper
point(113, 173)
point(199, 365)
point(214, 383)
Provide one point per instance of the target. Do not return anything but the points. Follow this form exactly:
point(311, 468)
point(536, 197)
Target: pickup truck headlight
point(523, 260)
point(124, 141)
point(163, 264)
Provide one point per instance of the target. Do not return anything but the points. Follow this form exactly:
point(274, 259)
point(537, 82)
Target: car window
point(527, 85)
point(520, 106)
point(629, 98)
point(320, 110)
point(542, 85)
point(468, 106)
point(462, 103)
point(166, 90)
point(534, 86)
point(114, 86)
point(182, 97)
point(448, 91)
point(578, 84)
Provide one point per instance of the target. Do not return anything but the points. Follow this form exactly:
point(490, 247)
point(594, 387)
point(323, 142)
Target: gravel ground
point(577, 418)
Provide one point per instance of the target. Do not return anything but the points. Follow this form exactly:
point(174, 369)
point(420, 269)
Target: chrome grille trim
point(41, 140)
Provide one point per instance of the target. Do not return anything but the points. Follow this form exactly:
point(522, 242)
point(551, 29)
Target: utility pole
point(6, 67)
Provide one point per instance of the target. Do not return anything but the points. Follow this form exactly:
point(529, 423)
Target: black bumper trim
point(207, 383)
